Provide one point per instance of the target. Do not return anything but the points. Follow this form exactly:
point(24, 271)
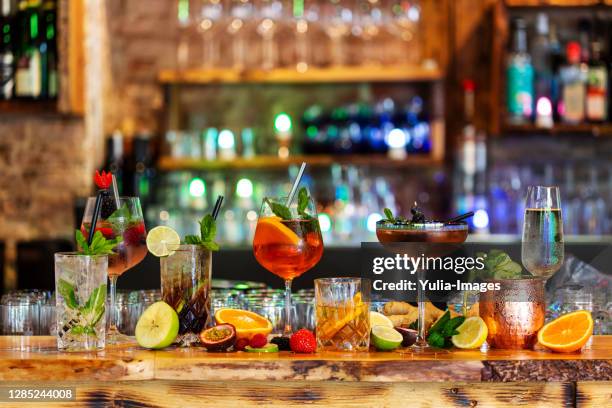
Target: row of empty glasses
point(301, 34)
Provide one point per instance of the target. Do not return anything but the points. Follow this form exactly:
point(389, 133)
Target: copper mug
point(515, 313)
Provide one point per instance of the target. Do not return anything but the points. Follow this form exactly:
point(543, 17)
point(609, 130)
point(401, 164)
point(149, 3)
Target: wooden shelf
point(273, 162)
point(27, 107)
point(555, 3)
point(313, 75)
point(603, 130)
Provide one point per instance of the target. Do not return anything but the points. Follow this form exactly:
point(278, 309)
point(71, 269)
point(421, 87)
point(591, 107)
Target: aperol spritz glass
point(287, 242)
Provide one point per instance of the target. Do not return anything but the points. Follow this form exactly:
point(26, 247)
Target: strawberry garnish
point(303, 341)
point(104, 180)
point(258, 340)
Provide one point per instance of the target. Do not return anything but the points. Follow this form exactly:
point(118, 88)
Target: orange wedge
point(270, 230)
point(247, 323)
point(567, 333)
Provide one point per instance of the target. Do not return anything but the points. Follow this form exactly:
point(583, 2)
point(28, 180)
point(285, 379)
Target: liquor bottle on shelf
point(48, 50)
point(520, 77)
point(557, 60)
point(597, 86)
point(114, 161)
point(541, 56)
point(7, 56)
point(573, 94)
point(28, 72)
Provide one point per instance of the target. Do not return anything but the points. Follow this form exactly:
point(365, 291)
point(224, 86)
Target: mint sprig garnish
point(208, 231)
point(282, 211)
point(87, 315)
point(440, 333)
point(390, 218)
point(99, 244)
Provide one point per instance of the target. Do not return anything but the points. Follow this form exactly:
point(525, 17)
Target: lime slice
point(379, 319)
point(157, 327)
point(472, 333)
point(386, 338)
point(268, 348)
point(162, 241)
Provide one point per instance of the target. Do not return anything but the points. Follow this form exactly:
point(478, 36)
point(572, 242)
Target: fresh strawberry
point(104, 180)
point(258, 340)
point(303, 341)
point(241, 344)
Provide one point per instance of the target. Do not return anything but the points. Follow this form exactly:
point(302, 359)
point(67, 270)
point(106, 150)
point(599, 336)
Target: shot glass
point(343, 314)
point(80, 301)
point(515, 313)
point(186, 286)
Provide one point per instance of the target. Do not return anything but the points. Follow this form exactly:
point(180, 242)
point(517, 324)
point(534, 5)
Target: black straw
point(95, 215)
point(460, 217)
point(217, 207)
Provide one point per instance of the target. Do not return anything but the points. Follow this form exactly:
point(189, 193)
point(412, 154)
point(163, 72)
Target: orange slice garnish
point(567, 333)
point(247, 323)
point(270, 230)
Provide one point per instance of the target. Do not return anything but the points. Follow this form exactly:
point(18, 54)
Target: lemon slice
point(472, 333)
point(379, 319)
point(163, 241)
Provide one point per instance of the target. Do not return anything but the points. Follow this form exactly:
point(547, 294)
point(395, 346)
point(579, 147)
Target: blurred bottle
point(520, 77)
point(28, 72)
point(542, 64)
point(313, 123)
point(557, 60)
point(48, 49)
point(144, 167)
point(8, 11)
point(573, 87)
point(597, 86)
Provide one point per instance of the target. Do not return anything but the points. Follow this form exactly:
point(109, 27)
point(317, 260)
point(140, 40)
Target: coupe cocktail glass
point(186, 285)
point(288, 247)
point(342, 314)
point(428, 232)
point(125, 221)
point(80, 293)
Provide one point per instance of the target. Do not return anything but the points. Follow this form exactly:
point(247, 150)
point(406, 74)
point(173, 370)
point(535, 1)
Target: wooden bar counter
point(192, 377)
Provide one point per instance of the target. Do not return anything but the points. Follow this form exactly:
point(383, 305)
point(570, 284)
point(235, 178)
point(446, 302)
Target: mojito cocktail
point(80, 283)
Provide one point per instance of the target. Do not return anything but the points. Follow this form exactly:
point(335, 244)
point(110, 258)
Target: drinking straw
point(296, 183)
point(95, 215)
point(116, 192)
point(217, 207)
point(461, 217)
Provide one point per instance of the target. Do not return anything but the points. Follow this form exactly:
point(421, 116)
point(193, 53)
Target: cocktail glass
point(429, 232)
point(186, 286)
point(342, 314)
point(287, 247)
point(125, 220)
point(80, 286)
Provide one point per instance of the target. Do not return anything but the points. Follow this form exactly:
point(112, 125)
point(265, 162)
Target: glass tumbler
point(343, 314)
point(186, 286)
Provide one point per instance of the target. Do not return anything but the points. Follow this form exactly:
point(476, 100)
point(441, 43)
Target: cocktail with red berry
point(119, 217)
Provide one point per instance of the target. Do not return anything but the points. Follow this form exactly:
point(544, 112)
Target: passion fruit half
point(218, 338)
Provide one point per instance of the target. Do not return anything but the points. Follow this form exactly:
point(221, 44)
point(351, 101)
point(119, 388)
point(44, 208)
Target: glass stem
point(288, 330)
point(111, 313)
point(421, 306)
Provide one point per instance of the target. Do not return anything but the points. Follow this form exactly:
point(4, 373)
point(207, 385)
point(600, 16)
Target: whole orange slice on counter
point(270, 230)
point(247, 323)
point(567, 333)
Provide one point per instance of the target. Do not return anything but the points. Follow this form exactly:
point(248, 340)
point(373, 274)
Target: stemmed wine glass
point(125, 220)
point(289, 245)
point(542, 249)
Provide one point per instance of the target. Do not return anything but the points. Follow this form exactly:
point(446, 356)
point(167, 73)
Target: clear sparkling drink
point(80, 291)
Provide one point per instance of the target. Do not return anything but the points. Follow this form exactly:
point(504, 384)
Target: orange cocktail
point(288, 241)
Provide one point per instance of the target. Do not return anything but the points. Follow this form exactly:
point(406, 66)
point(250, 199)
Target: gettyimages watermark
point(399, 270)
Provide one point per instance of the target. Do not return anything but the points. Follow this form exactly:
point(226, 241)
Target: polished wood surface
point(40, 361)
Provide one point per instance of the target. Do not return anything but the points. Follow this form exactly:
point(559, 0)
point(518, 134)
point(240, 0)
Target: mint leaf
point(303, 199)
point(435, 339)
point(208, 228)
point(439, 325)
point(280, 210)
point(449, 328)
point(99, 244)
point(96, 300)
point(66, 289)
point(81, 241)
point(389, 215)
point(193, 240)
point(210, 245)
